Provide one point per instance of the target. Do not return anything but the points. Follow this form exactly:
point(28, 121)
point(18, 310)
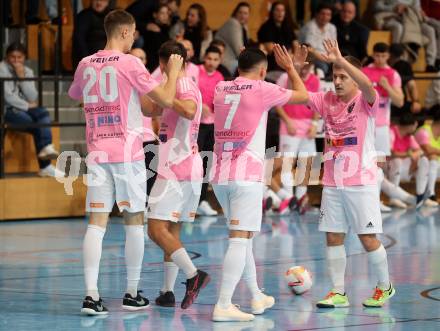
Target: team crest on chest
point(351, 107)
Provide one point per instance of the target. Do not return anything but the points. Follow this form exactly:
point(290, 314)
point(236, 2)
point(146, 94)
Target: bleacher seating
point(423, 84)
point(19, 147)
point(385, 37)
point(20, 155)
point(48, 33)
point(378, 36)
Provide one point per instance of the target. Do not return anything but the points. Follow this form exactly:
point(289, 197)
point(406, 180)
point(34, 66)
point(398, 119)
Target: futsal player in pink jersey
point(407, 159)
point(350, 198)
point(388, 84)
point(151, 129)
point(428, 137)
point(191, 69)
point(111, 83)
point(298, 128)
point(209, 77)
point(241, 107)
point(176, 192)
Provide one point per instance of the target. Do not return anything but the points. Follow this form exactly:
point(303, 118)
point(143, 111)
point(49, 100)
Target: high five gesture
point(333, 55)
point(285, 61)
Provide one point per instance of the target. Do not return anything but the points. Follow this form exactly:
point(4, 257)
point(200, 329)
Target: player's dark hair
point(16, 47)
point(169, 48)
point(159, 7)
point(238, 7)
point(352, 60)
point(397, 50)
point(407, 119)
point(218, 42)
point(213, 49)
point(250, 58)
point(115, 19)
point(381, 48)
point(324, 5)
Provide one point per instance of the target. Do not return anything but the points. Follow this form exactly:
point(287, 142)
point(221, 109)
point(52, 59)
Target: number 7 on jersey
point(234, 101)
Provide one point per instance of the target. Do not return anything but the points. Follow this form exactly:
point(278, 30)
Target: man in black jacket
point(89, 34)
point(352, 35)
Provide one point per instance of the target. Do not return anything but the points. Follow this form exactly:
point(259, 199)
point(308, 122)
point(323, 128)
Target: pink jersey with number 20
point(240, 108)
point(110, 83)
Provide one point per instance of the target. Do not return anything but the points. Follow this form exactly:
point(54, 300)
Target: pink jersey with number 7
point(240, 108)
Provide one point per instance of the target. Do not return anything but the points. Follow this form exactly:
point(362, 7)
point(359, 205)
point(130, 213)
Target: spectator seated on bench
point(22, 108)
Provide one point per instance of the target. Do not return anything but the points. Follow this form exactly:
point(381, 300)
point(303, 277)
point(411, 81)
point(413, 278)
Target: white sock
point(250, 273)
point(337, 261)
point(92, 248)
point(170, 271)
point(266, 192)
point(380, 179)
point(134, 254)
point(395, 166)
point(183, 261)
point(432, 177)
point(422, 175)
point(300, 191)
point(396, 192)
point(233, 266)
point(379, 262)
point(284, 194)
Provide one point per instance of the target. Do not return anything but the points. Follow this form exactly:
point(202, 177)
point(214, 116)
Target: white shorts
point(382, 140)
point(242, 204)
point(175, 201)
point(124, 183)
point(356, 207)
point(297, 145)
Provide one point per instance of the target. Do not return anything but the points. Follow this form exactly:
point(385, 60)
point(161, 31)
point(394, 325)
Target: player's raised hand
point(282, 57)
point(333, 54)
point(174, 64)
point(300, 53)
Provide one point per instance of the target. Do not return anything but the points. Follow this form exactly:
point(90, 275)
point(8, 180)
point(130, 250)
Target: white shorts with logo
point(175, 201)
point(382, 140)
point(242, 204)
point(296, 145)
point(356, 207)
point(124, 183)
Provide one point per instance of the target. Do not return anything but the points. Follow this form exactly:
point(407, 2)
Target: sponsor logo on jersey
point(233, 145)
point(109, 120)
point(348, 141)
point(163, 138)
